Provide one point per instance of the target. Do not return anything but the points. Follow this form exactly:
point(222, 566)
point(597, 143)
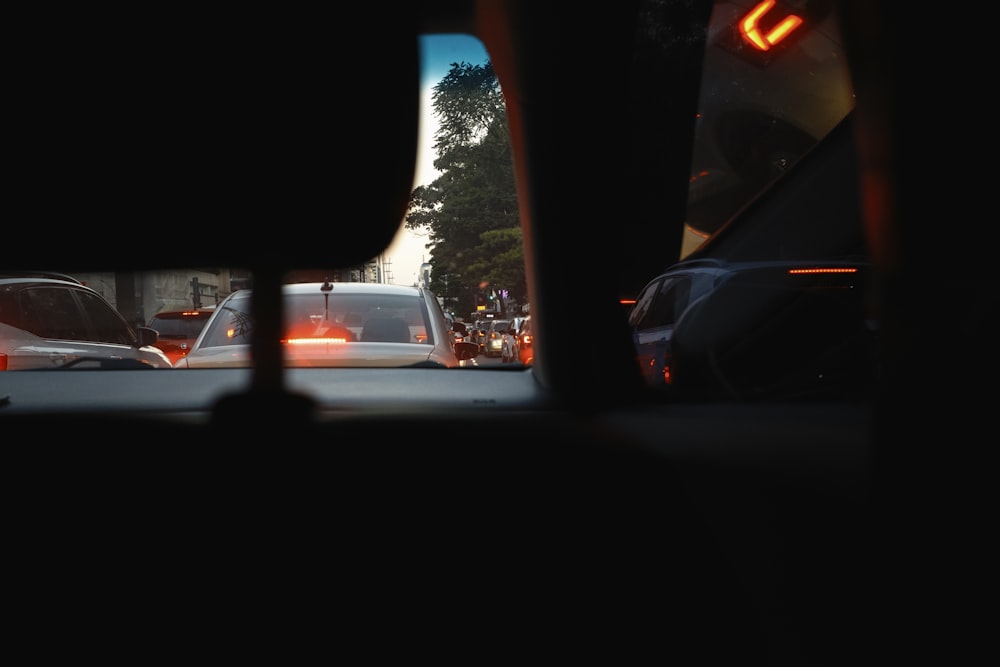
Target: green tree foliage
point(469, 212)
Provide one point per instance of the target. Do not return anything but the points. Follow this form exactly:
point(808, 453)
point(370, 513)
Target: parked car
point(831, 350)
point(340, 324)
point(57, 322)
point(178, 329)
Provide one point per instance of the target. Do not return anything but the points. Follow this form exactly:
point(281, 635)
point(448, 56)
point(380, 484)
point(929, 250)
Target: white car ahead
point(337, 324)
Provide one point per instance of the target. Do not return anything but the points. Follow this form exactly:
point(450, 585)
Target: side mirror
point(147, 336)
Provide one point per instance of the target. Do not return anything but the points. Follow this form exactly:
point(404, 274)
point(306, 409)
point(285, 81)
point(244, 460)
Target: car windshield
point(177, 327)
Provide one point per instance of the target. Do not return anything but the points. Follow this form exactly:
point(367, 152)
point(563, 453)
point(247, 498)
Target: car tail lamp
point(3, 362)
point(319, 340)
point(825, 276)
point(665, 372)
point(822, 269)
point(666, 368)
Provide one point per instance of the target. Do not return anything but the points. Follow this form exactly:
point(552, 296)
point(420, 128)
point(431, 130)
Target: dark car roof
point(56, 275)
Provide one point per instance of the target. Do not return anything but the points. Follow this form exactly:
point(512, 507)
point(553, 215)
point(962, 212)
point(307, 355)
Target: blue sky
point(437, 53)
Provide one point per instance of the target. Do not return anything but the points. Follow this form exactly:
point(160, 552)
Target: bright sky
point(438, 52)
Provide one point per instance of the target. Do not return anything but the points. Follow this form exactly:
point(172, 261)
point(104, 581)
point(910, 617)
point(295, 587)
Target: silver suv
point(50, 320)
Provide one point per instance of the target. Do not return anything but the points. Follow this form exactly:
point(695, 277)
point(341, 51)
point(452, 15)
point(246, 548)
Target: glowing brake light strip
point(829, 269)
point(764, 41)
point(316, 341)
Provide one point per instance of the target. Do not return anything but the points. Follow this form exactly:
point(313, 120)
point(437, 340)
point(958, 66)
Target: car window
point(72, 315)
point(474, 266)
point(108, 325)
point(53, 313)
point(178, 327)
point(661, 302)
point(763, 106)
point(232, 324)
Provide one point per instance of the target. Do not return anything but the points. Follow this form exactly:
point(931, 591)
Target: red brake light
point(821, 269)
point(316, 341)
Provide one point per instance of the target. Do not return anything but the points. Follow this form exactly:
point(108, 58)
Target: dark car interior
point(598, 521)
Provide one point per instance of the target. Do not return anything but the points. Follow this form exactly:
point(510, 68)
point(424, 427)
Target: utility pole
point(125, 301)
point(195, 292)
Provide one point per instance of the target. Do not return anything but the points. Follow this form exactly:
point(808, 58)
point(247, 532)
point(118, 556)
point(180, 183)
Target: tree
point(470, 210)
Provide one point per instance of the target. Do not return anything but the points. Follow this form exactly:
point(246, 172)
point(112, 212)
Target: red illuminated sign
point(750, 26)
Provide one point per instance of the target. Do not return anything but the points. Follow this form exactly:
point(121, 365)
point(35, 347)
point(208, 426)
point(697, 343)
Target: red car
point(178, 330)
point(525, 349)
